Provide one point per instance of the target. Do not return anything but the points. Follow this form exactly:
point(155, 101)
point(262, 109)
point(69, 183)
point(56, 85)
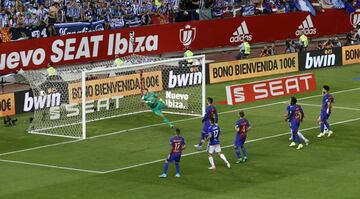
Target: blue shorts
point(204, 135)
point(206, 127)
point(239, 141)
point(294, 126)
point(205, 131)
point(174, 157)
point(324, 117)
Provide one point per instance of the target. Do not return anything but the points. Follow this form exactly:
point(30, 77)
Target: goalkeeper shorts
point(158, 108)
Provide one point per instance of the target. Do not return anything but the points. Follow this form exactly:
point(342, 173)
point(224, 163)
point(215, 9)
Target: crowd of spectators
point(329, 43)
point(31, 13)
point(15, 14)
point(353, 37)
point(268, 51)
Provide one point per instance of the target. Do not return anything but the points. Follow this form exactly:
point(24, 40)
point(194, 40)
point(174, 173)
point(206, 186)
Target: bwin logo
point(319, 61)
point(42, 101)
point(187, 35)
point(307, 26)
point(184, 80)
point(241, 33)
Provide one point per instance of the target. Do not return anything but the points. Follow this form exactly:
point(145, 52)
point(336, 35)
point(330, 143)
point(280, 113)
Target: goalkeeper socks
point(222, 156)
point(166, 121)
point(177, 166)
point(237, 151)
point(166, 167)
point(211, 160)
point(244, 151)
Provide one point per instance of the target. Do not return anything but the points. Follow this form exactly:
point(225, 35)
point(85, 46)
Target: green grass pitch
point(127, 161)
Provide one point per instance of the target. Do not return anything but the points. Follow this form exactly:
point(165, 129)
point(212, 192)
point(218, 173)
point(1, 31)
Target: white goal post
point(113, 91)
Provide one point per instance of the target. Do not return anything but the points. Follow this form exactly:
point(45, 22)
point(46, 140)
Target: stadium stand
point(40, 18)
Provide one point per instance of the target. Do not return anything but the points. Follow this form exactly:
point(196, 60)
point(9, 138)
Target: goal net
point(66, 102)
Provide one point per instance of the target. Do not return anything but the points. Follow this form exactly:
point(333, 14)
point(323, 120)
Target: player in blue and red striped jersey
point(242, 127)
point(295, 115)
point(325, 112)
point(177, 144)
point(301, 136)
point(210, 112)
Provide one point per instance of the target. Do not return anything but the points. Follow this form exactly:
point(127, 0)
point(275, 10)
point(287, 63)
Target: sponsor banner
point(320, 59)
point(166, 38)
point(249, 68)
point(176, 100)
point(26, 102)
point(74, 110)
point(116, 86)
point(78, 27)
point(7, 104)
point(243, 93)
point(181, 77)
point(351, 54)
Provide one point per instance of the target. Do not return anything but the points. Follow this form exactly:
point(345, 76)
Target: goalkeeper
point(156, 104)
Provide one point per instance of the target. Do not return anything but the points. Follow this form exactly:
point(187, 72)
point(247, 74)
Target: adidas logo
point(241, 33)
point(307, 26)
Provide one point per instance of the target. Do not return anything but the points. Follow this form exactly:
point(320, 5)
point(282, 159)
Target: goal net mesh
point(112, 91)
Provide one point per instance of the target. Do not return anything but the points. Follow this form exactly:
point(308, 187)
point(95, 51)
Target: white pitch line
point(336, 107)
point(227, 146)
point(51, 166)
point(160, 160)
point(159, 124)
point(225, 112)
point(39, 147)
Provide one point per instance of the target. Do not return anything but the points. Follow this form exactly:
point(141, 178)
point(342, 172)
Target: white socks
point(302, 136)
point(211, 160)
point(222, 156)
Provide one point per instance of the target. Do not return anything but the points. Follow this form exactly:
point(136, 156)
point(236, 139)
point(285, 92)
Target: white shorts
point(212, 148)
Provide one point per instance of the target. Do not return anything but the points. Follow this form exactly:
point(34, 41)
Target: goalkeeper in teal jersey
point(156, 104)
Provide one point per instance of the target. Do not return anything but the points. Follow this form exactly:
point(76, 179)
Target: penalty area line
point(159, 124)
point(335, 107)
point(155, 161)
point(50, 166)
point(227, 146)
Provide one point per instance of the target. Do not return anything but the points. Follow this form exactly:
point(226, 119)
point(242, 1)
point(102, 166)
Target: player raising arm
point(156, 104)
point(242, 127)
point(325, 112)
point(210, 112)
point(177, 144)
point(214, 144)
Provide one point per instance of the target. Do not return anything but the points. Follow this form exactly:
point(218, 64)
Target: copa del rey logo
point(355, 18)
point(307, 26)
point(187, 35)
point(241, 33)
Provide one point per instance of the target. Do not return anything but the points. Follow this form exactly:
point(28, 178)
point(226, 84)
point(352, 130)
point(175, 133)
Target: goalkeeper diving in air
point(156, 104)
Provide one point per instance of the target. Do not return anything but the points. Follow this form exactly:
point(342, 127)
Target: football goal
point(66, 102)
